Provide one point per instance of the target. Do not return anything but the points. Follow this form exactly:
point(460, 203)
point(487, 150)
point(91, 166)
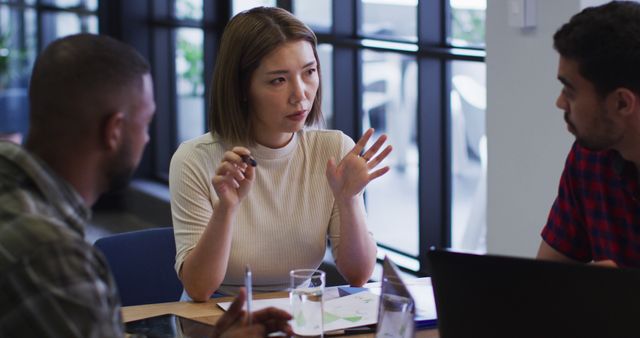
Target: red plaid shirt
point(596, 214)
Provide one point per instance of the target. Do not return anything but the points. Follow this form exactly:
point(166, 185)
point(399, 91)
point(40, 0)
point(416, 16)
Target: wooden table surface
point(209, 312)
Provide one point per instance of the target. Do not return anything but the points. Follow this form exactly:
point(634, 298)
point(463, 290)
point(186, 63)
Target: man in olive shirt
point(91, 102)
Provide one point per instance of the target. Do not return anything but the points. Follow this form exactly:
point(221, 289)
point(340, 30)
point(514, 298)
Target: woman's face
point(282, 91)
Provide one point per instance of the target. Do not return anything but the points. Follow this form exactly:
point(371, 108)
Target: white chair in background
point(469, 158)
point(459, 153)
point(473, 100)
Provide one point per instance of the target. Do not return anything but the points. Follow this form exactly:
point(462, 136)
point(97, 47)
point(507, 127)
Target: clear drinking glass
point(307, 304)
point(396, 317)
point(397, 307)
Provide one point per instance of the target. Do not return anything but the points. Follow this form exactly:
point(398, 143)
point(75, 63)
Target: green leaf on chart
point(330, 318)
point(353, 319)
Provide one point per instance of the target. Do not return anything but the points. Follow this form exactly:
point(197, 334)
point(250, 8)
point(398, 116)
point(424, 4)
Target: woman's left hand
point(356, 170)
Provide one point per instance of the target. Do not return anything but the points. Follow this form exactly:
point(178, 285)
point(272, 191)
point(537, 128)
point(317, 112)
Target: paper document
point(422, 292)
point(339, 313)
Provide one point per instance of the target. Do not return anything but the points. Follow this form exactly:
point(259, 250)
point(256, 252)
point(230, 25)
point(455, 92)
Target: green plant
point(188, 10)
point(192, 54)
point(5, 54)
point(12, 61)
point(469, 26)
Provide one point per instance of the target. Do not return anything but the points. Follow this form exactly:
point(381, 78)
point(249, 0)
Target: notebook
point(497, 296)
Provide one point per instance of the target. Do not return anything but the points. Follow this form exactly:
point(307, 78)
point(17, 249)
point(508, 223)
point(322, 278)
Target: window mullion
point(346, 71)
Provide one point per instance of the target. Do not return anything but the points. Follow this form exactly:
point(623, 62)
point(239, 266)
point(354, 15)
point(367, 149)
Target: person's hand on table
point(234, 323)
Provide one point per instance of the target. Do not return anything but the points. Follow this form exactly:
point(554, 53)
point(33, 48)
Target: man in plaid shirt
point(596, 215)
point(91, 102)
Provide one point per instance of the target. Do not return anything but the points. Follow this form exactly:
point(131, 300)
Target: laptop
point(498, 296)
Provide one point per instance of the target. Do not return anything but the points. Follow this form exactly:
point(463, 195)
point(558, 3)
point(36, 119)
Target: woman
point(275, 216)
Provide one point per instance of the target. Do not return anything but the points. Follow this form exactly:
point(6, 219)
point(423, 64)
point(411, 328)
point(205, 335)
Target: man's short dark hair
point(81, 78)
point(605, 42)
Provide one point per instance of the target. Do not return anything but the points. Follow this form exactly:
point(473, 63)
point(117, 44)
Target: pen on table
point(359, 330)
point(352, 331)
point(249, 160)
point(247, 285)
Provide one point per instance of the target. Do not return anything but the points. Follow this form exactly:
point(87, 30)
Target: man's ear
point(626, 101)
point(113, 131)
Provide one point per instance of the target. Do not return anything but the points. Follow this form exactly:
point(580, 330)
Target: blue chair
point(142, 265)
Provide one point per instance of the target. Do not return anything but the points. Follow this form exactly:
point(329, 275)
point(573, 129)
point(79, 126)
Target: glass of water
point(307, 305)
point(395, 319)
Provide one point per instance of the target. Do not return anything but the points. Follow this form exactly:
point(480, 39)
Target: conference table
point(209, 312)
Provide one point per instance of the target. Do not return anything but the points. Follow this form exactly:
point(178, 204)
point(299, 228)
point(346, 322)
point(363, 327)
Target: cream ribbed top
point(283, 222)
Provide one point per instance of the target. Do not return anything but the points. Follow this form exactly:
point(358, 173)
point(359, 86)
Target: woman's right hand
point(233, 178)
point(205, 266)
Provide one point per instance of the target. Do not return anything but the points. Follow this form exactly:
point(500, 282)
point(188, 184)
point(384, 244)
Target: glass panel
point(91, 23)
point(58, 24)
point(468, 23)
point(17, 54)
point(65, 24)
point(20, 2)
point(242, 5)
point(393, 19)
point(189, 9)
point(389, 103)
point(325, 53)
point(190, 83)
point(468, 155)
point(91, 5)
point(316, 14)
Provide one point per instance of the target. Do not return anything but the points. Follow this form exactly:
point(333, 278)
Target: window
point(241, 5)
point(26, 27)
point(467, 129)
point(389, 105)
point(316, 14)
point(189, 83)
point(397, 67)
point(325, 53)
point(411, 69)
point(179, 38)
point(390, 19)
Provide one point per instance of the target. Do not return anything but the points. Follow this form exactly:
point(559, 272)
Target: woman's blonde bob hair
point(247, 39)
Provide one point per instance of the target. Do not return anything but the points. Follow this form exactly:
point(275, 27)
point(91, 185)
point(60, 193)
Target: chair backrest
point(142, 265)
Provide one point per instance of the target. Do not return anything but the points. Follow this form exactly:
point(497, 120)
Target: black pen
point(359, 330)
point(248, 160)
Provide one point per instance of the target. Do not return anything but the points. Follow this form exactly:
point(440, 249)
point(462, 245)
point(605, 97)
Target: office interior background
point(465, 95)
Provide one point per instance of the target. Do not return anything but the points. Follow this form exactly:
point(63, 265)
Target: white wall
point(526, 134)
